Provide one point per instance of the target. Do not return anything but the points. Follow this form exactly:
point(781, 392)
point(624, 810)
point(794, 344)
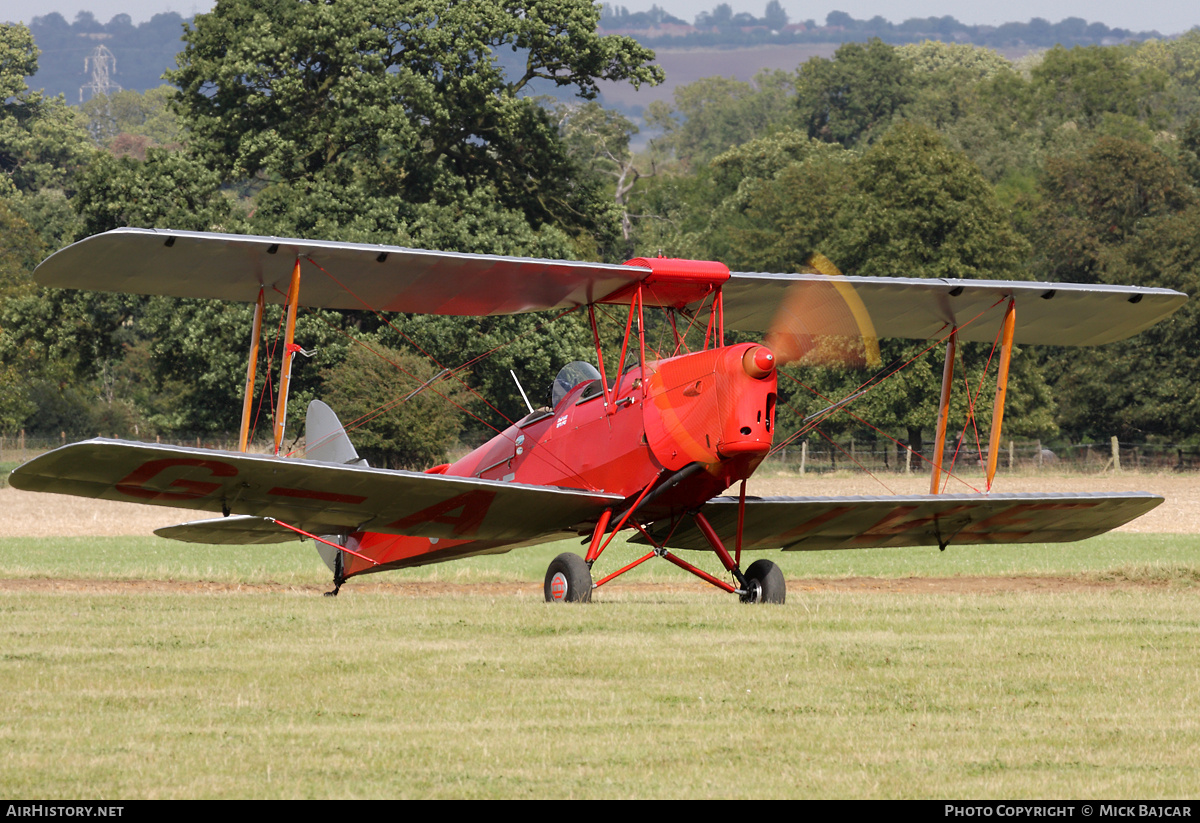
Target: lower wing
point(821, 523)
point(323, 498)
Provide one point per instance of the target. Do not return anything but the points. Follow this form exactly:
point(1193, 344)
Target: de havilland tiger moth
point(646, 445)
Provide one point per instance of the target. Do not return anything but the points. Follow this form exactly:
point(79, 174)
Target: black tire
point(568, 580)
point(766, 577)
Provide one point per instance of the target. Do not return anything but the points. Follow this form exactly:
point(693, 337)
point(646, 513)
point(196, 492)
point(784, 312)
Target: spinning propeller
point(823, 322)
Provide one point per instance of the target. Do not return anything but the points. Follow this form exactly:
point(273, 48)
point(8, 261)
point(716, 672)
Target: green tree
point(370, 391)
point(933, 57)
point(392, 122)
point(1093, 202)
point(714, 114)
point(1122, 212)
point(921, 209)
point(781, 196)
point(42, 142)
point(169, 189)
point(1179, 61)
point(597, 141)
point(1084, 83)
point(1144, 387)
point(20, 250)
point(774, 16)
point(951, 80)
point(1189, 149)
point(129, 122)
point(369, 107)
point(18, 60)
point(855, 95)
point(703, 214)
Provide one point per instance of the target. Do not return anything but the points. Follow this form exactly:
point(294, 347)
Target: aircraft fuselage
point(714, 408)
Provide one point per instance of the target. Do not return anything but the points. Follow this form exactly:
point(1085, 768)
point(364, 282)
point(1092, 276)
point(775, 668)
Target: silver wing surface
point(322, 498)
point(392, 278)
point(822, 523)
point(1057, 314)
point(355, 275)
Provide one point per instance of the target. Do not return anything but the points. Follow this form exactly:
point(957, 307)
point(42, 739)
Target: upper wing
point(820, 523)
point(356, 276)
point(1058, 314)
point(323, 498)
point(391, 278)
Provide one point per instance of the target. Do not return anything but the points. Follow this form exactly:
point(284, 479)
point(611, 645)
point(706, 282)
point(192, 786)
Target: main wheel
point(568, 580)
point(765, 581)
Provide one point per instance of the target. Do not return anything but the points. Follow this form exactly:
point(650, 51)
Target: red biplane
point(647, 446)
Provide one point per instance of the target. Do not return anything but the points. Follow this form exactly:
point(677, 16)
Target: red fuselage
point(715, 408)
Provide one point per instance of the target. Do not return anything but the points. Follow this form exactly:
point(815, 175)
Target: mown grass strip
point(644, 694)
point(125, 558)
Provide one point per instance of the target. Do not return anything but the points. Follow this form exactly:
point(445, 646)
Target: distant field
point(683, 66)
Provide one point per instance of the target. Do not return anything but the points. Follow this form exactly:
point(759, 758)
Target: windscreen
point(570, 376)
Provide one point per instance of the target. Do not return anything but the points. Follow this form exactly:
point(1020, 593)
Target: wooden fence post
point(1116, 454)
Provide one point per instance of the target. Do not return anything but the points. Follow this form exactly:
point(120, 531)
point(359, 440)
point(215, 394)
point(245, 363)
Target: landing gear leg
point(339, 569)
point(761, 583)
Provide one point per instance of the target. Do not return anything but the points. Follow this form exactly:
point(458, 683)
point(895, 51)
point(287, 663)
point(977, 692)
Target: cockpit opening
point(570, 376)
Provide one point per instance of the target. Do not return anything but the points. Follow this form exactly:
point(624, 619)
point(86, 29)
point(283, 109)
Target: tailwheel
point(569, 580)
point(764, 583)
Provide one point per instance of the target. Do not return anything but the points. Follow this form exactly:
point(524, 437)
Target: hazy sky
point(1167, 16)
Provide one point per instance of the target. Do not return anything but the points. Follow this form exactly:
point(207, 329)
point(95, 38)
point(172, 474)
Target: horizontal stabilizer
point(235, 530)
point(320, 498)
point(822, 523)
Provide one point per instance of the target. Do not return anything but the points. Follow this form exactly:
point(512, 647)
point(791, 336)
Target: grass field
point(1134, 556)
point(260, 687)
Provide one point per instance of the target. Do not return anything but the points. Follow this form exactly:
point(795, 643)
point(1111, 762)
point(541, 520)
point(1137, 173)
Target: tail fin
point(326, 440)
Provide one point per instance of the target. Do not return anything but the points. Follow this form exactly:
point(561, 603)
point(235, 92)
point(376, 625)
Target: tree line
point(722, 27)
point(143, 51)
point(397, 123)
